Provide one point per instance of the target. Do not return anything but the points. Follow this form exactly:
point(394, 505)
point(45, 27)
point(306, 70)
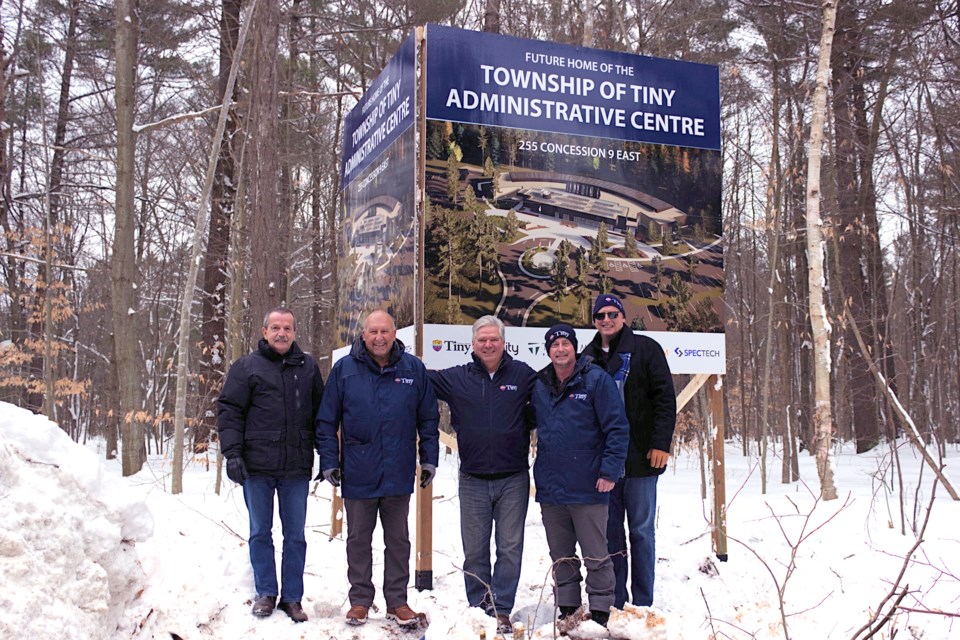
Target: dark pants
point(634, 501)
point(483, 505)
point(258, 492)
point(361, 521)
point(586, 525)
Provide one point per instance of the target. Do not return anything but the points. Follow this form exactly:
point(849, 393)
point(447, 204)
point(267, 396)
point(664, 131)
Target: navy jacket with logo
point(640, 370)
point(488, 415)
point(380, 412)
point(582, 434)
point(266, 408)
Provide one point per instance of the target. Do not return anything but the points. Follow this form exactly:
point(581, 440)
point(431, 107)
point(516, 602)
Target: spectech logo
point(697, 353)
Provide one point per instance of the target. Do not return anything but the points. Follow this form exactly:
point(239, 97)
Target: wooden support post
point(423, 577)
point(336, 513)
point(715, 420)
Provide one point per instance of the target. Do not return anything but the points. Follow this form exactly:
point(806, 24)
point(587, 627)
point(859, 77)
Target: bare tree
point(269, 226)
point(823, 420)
point(123, 265)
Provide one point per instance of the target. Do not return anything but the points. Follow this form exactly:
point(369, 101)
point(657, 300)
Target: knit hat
point(607, 300)
point(561, 331)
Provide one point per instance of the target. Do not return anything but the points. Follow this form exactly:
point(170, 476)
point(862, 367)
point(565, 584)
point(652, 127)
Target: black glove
point(332, 476)
point(236, 470)
point(427, 472)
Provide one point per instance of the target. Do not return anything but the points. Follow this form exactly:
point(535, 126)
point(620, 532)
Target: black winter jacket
point(647, 391)
point(493, 436)
point(266, 410)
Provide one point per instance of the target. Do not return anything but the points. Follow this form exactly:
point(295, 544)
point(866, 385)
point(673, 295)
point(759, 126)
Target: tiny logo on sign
point(437, 345)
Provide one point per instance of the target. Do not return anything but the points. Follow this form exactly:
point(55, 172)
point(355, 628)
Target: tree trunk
point(123, 265)
point(861, 269)
point(491, 16)
point(820, 326)
point(222, 204)
point(268, 226)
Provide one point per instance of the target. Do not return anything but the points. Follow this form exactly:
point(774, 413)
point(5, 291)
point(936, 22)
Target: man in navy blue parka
point(582, 435)
point(382, 403)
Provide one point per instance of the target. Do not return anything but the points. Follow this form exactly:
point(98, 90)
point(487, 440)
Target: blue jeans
point(483, 504)
point(258, 492)
point(637, 498)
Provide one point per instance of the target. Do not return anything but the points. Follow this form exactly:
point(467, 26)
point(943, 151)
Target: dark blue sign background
point(384, 112)
point(571, 90)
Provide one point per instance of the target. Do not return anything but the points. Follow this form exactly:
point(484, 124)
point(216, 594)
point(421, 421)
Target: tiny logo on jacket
point(578, 396)
point(403, 380)
point(508, 387)
point(437, 345)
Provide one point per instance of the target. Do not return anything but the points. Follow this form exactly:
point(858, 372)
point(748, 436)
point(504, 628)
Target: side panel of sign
point(381, 115)
point(377, 227)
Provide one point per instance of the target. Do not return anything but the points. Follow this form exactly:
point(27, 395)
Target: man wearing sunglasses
point(639, 367)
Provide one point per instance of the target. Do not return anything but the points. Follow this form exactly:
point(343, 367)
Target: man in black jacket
point(488, 400)
point(640, 369)
point(265, 420)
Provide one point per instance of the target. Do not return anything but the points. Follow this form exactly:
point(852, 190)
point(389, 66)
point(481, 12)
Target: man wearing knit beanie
point(561, 331)
point(638, 367)
point(582, 435)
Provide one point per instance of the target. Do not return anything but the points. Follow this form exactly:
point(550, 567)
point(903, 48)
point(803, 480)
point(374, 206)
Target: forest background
point(110, 111)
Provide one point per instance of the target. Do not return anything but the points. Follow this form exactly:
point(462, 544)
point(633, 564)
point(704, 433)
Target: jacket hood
point(294, 356)
point(359, 351)
point(549, 375)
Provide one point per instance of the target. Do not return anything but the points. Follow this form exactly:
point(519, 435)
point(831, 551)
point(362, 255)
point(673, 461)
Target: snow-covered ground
point(87, 554)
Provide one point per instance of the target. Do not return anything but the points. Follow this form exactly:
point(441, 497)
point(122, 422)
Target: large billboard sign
point(549, 174)
point(556, 173)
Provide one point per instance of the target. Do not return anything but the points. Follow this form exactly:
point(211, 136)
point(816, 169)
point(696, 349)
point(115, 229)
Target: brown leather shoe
point(357, 614)
point(294, 610)
point(403, 615)
point(263, 606)
point(504, 626)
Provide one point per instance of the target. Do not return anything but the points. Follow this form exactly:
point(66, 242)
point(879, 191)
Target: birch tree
point(820, 324)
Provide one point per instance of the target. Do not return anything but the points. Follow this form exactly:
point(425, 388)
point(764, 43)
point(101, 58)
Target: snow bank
point(66, 537)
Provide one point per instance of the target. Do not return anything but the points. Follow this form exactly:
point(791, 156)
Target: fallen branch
point(909, 427)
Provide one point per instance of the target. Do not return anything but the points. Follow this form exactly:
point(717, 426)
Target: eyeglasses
point(600, 315)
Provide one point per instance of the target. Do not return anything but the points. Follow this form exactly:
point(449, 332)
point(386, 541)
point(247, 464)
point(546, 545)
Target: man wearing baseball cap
point(582, 437)
point(639, 368)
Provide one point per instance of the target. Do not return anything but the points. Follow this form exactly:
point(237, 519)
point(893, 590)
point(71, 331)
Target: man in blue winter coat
point(265, 422)
point(488, 400)
point(637, 364)
point(582, 437)
point(380, 400)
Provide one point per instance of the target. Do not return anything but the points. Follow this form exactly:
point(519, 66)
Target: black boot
point(600, 617)
point(566, 612)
